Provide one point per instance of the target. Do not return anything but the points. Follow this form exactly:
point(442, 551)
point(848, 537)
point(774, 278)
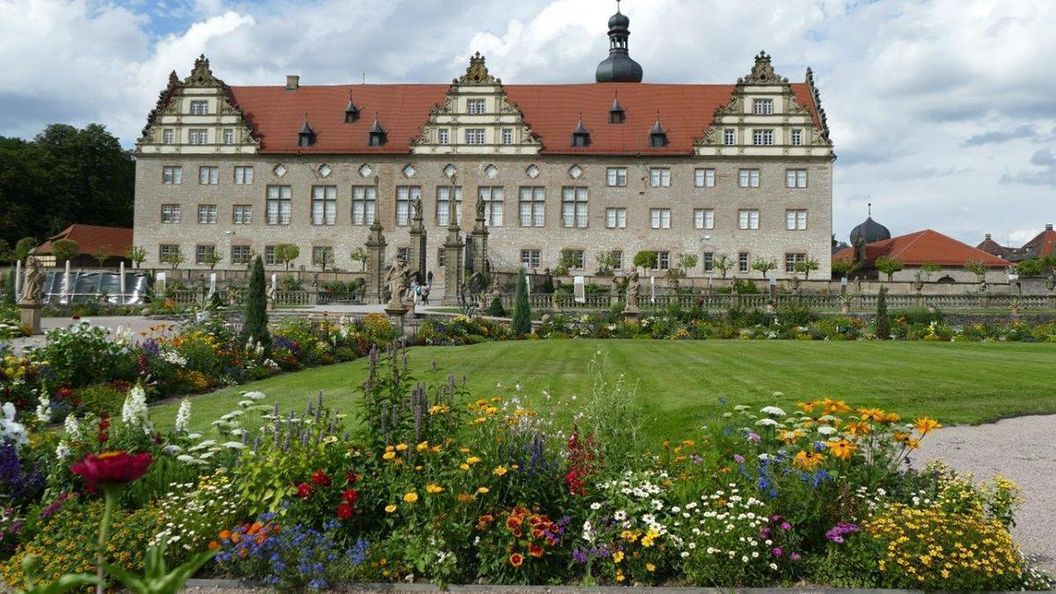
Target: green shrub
point(496, 309)
point(882, 322)
point(256, 307)
point(100, 400)
point(521, 325)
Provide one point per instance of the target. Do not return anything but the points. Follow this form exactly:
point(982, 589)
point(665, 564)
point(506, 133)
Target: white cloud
point(941, 111)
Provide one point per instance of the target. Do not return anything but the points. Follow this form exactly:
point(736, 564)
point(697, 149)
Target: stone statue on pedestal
point(33, 287)
point(634, 287)
point(397, 278)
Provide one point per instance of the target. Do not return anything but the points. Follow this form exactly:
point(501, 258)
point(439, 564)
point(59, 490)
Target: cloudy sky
point(943, 111)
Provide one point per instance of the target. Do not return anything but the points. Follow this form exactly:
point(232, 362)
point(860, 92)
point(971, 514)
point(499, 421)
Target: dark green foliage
point(24, 246)
point(883, 320)
point(101, 400)
point(9, 288)
point(256, 307)
point(548, 284)
point(65, 250)
point(645, 259)
point(522, 310)
point(65, 175)
point(496, 309)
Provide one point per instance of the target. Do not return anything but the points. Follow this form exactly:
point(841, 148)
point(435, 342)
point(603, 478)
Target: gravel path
point(1022, 449)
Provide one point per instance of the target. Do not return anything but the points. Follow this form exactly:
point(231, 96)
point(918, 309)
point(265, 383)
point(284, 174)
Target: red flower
point(349, 496)
point(320, 478)
point(103, 432)
point(111, 468)
point(304, 490)
point(352, 478)
point(516, 559)
point(345, 511)
point(535, 550)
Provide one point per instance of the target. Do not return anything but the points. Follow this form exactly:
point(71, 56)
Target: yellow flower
point(619, 573)
point(859, 428)
point(464, 498)
point(617, 557)
point(834, 407)
point(472, 460)
point(808, 461)
point(650, 567)
point(629, 535)
point(401, 447)
point(500, 470)
point(390, 508)
point(433, 488)
point(647, 540)
point(483, 490)
point(389, 455)
point(808, 407)
point(842, 449)
point(422, 446)
point(926, 424)
point(411, 497)
point(464, 466)
point(790, 437)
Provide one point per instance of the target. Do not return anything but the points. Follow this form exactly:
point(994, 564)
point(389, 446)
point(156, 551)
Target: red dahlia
point(345, 511)
point(349, 496)
point(320, 478)
point(111, 468)
point(304, 490)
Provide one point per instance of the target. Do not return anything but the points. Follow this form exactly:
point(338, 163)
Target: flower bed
point(430, 483)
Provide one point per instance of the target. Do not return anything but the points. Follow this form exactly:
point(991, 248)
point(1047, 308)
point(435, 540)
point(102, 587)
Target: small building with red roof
point(926, 248)
point(93, 241)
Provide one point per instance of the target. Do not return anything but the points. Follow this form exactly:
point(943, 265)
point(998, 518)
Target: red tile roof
point(551, 111)
point(921, 247)
point(990, 246)
point(1044, 244)
point(90, 238)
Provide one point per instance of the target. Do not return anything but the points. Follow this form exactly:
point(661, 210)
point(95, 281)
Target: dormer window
point(351, 111)
point(475, 106)
point(616, 113)
point(657, 136)
point(306, 136)
point(763, 106)
point(376, 135)
point(580, 136)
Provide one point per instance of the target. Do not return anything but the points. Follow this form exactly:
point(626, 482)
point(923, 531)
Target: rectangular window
point(574, 207)
point(660, 177)
point(704, 178)
point(507, 136)
point(323, 256)
point(441, 257)
point(663, 261)
point(474, 135)
point(742, 262)
point(660, 218)
point(324, 205)
point(269, 255)
point(795, 178)
point(446, 204)
point(168, 136)
point(617, 177)
point(243, 175)
point(763, 106)
point(493, 205)
point(406, 196)
point(172, 174)
point(797, 137)
point(167, 250)
point(206, 214)
point(242, 214)
point(240, 254)
point(792, 259)
point(229, 136)
point(209, 175)
point(475, 106)
point(704, 218)
point(575, 259)
point(616, 218)
point(748, 178)
point(617, 259)
point(364, 204)
point(729, 136)
point(199, 107)
point(796, 220)
point(530, 258)
point(170, 213)
point(763, 137)
point(203, 254)
point(708, 261)
point(279, 205)
point(443, 136)
point(198, 136)
point(533, 206)
point(748, 218)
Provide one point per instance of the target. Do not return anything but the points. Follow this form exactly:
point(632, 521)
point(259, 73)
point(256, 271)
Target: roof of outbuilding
point(91, 238)
point(923, 247)
point(275, 114)
point(1043, 244)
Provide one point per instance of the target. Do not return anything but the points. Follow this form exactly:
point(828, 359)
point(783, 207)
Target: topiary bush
point(256, 308)
point(521, 324)
point(496, 309)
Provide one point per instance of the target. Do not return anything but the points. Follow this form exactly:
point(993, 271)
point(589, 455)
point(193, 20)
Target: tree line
point(64, 175)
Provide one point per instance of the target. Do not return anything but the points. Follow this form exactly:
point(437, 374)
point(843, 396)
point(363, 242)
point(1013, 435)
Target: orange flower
point(834, 407)
point(842, 449)
point(513, 522)
point(516, 559)
point(872, 414)
point(808, 460)
point(225, 534)
point(926, 424)
point(859, 428)
point(213, 545)
point(808, 407)
point(535, 550)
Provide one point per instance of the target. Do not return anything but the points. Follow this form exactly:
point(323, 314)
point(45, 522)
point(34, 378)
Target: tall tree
point(522, 310)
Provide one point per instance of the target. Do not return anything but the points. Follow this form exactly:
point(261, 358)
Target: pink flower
point(111, 468)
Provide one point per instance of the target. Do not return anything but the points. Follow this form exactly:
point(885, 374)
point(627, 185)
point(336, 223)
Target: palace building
point(566, 172)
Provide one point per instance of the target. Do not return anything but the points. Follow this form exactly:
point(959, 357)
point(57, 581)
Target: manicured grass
point(679, 383)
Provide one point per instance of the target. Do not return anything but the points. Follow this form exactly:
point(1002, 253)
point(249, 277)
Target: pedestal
point(397, 309)
point(31, 317)
point(632, 314)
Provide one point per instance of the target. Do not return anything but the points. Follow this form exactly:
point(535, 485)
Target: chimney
point(293, 81)
point(988, 237)
point(1048, 227)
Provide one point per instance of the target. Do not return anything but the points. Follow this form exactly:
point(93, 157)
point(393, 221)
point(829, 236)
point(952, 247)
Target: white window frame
point(660, 177)
point(324, 206)
point(494, 204)
point(406, 196)
point(172, 175)
point(707, 261)
point(242, 214)
point(279, 205)
point(199, 107)
point(616, 177)
point(704, 218)
point(168, 136)
point(443, 136)
point(240, 254)
point(763, 136)
point(574, 207)
point(443, 205)
point(507, 136)
point(229, 136)
point(208, 175)
point(796, 178)
point(704, 177)
point(207, 214)
point(796, 219)
point(796, 137)
point(616, 217)
point(532, 206)
point(530, 258)
point(476, 106)
point(203, 251)
point(243, 175)
point(364, 205)
point(748, 178)
point(744, 261)
point(729, 136)
point(170, 214)
point(660, 218)
point(476, 136)
point(198, 136)
point(762, 106)
point(748, 219)
point(793, 258)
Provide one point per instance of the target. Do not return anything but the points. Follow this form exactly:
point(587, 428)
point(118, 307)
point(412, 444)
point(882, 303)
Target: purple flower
point(794, 556)
point(778, 552)
point(738, 458)
point(754, 437)
point(837, 532)
point(786, 526)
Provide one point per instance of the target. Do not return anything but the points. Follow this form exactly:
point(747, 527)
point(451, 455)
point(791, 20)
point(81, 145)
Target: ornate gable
point(764, 118)
point(197, 115)
point(476, 117)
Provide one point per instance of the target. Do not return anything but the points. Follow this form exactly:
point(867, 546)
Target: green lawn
point(680, 382)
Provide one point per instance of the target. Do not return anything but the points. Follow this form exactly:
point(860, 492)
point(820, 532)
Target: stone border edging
point(393, 588)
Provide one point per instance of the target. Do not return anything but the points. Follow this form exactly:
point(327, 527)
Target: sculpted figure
point(396, 279)
point(634, 287)
point(33, 287)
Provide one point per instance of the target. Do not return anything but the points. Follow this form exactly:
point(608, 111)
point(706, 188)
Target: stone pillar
point(416, 253)
point(480, 241)
point(452, 264)
point(375, 292)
